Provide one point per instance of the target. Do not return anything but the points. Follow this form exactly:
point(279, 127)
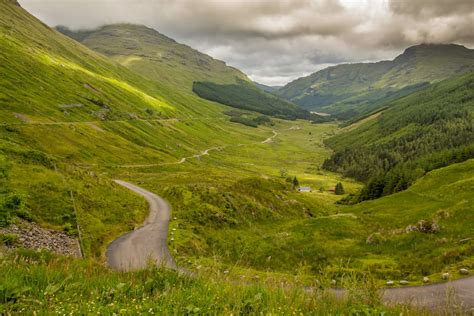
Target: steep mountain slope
point(67, 113)
point(156, 56)
point(418, 133)
point(352, 89)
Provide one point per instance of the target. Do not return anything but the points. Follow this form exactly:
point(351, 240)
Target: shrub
point(8, 239)
point(339, 189)
point(11, 206)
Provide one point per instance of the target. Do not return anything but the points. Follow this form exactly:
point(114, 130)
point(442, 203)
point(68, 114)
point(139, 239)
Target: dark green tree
point(296, 183)
point(339, 189)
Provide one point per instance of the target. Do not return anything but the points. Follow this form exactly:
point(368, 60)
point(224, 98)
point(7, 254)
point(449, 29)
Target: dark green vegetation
point(352, 90)
point(421, 132)
point(248, 119)
point(247, 97)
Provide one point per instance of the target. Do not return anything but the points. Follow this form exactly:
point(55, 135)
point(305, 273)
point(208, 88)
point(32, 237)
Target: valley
point(265, 207)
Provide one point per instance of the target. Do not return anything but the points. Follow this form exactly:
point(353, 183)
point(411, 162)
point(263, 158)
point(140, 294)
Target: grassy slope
point(361, 88)
point(156, 56)
point(65, 103)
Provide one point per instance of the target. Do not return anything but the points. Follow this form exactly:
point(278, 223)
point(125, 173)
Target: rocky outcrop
point(424, 226)
point(32, 236)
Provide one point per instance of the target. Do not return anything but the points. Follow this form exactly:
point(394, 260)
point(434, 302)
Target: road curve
point(147, 244)
point(441, 297)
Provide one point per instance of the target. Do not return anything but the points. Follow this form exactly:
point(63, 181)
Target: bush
point(8, 239)
point(11, 206)
point(339, 189)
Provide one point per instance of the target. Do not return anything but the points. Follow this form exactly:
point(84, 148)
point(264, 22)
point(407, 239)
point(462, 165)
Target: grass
point(41, 283)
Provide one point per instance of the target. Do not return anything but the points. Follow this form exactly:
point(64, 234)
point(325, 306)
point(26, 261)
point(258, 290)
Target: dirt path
point(270, 139)
point(146, 245)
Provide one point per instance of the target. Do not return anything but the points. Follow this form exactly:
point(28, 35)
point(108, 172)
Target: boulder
point(426, 279)
point(390, 283)
point(404, 282)
point(445, 276)
point(464, 271)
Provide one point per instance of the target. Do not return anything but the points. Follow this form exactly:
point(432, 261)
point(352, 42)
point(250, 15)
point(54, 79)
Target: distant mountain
point(267, 88)
point(350, 90)
point(426, 130)
point(155, 56)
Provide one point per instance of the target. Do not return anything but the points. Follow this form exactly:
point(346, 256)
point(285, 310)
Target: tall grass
point(38, 282)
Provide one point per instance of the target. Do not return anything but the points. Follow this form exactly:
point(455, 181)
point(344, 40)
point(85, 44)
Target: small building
point(304, 189)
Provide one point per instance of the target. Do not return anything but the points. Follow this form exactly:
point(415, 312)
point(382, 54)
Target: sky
point(277, 41)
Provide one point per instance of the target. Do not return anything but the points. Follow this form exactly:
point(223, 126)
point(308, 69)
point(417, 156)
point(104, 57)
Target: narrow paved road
point(438, 297)
point(146, 245)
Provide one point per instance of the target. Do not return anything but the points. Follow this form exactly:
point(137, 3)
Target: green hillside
point(159, 58)
point(351, 90)
point(247, 97)
point(418, 133)
point(155, 56)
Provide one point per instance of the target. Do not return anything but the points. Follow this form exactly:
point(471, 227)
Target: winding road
point(147, 245)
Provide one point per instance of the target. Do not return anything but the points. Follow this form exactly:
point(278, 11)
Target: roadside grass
point(40, 283)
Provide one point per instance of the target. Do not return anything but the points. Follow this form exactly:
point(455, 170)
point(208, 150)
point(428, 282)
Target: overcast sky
point(276, 41)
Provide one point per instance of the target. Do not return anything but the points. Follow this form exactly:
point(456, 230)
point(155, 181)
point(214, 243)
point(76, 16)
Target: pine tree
point(296, 183)
point(339, 189)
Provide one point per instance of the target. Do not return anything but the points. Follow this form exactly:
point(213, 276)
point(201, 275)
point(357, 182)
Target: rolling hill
point(418, 133)
point(155, 56)
point(351, 90)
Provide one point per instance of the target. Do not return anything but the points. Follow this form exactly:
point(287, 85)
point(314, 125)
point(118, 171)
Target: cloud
point(276, 41)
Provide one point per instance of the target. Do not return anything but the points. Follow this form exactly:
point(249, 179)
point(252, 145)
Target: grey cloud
point(279, 40)
point(431, 8)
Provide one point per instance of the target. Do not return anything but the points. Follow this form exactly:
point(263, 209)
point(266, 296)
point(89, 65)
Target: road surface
point(146, 245)
point(441, 297)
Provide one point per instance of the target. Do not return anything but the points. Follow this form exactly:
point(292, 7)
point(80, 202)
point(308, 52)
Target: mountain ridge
point(155, 55)
point(348, 90)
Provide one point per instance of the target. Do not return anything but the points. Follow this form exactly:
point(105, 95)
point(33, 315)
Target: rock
point(464, 271)
point(33, 236)
point(404, 282)
point(390, 283)
point(445, 276)
point(426, 279)
point(226, 272)
point(333, 282)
